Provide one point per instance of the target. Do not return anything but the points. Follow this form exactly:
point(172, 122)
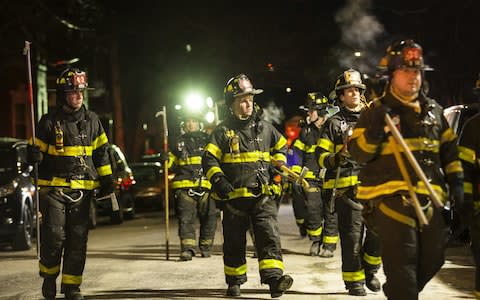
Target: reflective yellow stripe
point(99, 141)
point(466, 154)
point(454, 167)
point(448, 136)
point(372, 260)
point(270, 264)
point(73, 184)
point(315, 232)
point(311, 149)
point(300, 221)
point(296, 169)
point(50, 271)
point(104, 170)
point(246, 157)
point(70, 151)
point(476, 205)
point(245, 192)
point(276, 189)
point(393, 186)
point(280, 157)
point(280, 144)
point(206, 242)
point(397, 216)
point(71, 279)
point(326, 144)
point(191, 183)
point(420, 144)
point(43, 146)
point(321, 159)
point(299, 145)
point(212, 171)
point(214, 150)
point(359, 137)
point(232, 271)
point(194, 160)
point(188, 242)
point(354, 276)
point(342, 182)
point(332, 239)
point(467, 187)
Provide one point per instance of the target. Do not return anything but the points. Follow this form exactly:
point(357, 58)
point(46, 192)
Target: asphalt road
point(128, 261)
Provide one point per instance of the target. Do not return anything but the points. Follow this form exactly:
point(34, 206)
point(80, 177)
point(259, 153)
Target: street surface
point(128, 261)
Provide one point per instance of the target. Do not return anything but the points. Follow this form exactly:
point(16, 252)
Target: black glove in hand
point(107, 186)
point(338, 159)
point(34, 155)
point(222, 186)
point(376, 129)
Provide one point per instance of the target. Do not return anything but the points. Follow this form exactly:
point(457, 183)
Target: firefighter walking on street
point(469, 153)
point(318, 109)
point(238, 163)
point(192, 188)
point(411, 253)
point(360, 247)
point(73, 145)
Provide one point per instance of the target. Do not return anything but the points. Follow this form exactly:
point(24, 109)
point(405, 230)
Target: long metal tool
point(163, 113)
point(26, 52)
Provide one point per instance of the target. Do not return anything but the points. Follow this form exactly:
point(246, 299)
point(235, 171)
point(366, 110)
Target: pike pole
point(163, 113)
point(26, 52)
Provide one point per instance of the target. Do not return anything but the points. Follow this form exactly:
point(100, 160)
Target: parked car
point(456, 115)
point(124, 180)
point(17, 204)
point(149, 190)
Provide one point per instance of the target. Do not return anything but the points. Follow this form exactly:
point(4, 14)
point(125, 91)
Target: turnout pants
point(299, 204)
point(64, 231)
point(314, 212)
point(360, 248)
point(237, 215)
point(193, 204)
point(330, 223)
point(410, 257)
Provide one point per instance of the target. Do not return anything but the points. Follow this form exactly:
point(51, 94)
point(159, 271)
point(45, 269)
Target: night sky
point(167, 48)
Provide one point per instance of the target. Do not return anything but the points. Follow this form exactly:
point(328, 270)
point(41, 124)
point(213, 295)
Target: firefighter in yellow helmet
point(237, 162)
point(411, 255)
point(73, 145)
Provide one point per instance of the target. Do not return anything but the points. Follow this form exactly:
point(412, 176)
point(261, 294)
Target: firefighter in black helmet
point(469, 153)
point(411, 254)
point(73, 145)
point(238, 163)
point(360, 257)
point(192, 188)
point(318, 110)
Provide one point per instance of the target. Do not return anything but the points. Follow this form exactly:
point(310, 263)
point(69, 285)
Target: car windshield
point(144, 173)
point(8, 166)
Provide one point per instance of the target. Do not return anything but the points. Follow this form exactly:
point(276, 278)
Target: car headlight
point(8, 189)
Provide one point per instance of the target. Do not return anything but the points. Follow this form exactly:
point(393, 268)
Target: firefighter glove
point(457, 195)
point(222, 186)
point(34, 155)
point(107, 186)
point(375, 131)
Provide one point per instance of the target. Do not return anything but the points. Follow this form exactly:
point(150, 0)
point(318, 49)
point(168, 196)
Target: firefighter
point(411, 254)
point(360, 248)
point(192, 188)
point(238, 163)
point(318, 110)
point(75, 161)
point(469, 153)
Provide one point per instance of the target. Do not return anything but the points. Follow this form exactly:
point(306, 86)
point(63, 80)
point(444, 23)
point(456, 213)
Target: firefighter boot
point(356, 289)
point(372, 283)
point(233, 290)
point(49, 288)
point(278, 286)
point(302, 230)
point(326, 253)
point(315, 248)
point(73, 293)
point(186, 255)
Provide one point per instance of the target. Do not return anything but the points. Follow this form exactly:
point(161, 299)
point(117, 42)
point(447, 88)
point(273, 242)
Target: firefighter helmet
point(315, 100)
point(238, 86)
point(404, 53)
point(349, 78)
point(72, 79)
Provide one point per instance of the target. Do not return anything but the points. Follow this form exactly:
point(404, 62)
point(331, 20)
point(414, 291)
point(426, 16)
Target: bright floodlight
point(288, 90)
point(210, 117)
point(194, 102)
point(357, 53)
point(178, 107)
point(209, 102)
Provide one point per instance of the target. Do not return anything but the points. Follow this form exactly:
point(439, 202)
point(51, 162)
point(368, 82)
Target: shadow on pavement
point(190, 293)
